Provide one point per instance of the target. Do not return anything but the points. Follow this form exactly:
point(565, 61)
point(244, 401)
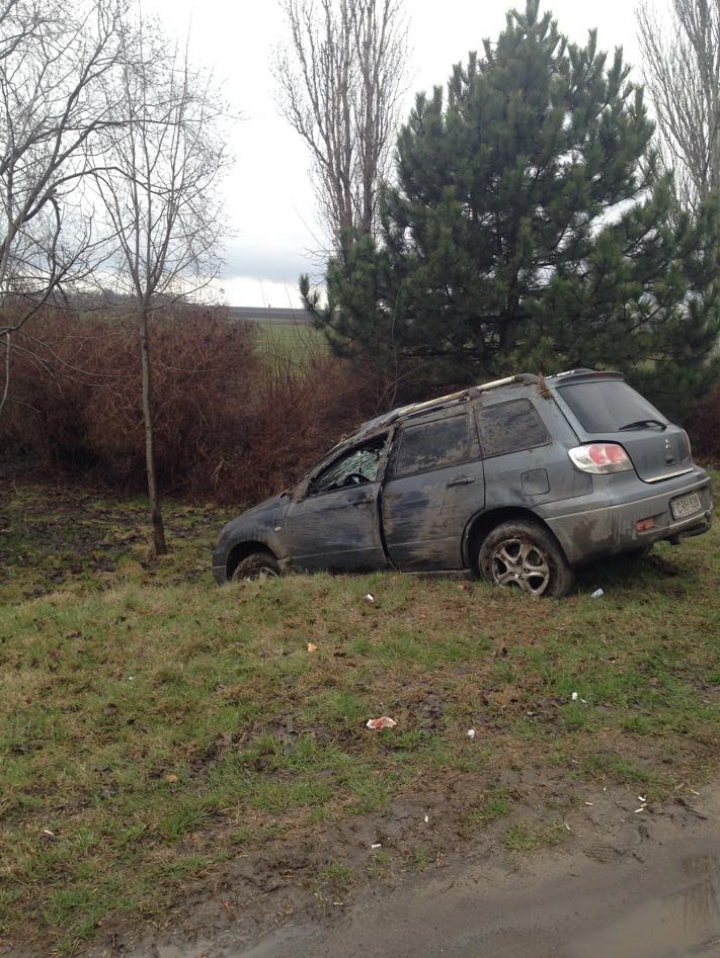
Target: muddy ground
point(627, 880)
point(633, 885)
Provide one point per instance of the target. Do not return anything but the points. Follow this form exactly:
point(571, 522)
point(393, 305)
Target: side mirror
point(300, 490)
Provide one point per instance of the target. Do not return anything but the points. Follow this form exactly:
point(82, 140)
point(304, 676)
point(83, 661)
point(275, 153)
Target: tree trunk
point(159, 543)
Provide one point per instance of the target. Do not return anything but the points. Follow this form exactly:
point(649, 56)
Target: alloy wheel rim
point(521, 563)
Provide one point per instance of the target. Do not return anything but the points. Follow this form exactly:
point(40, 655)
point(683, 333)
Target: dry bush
point(231, 423)
point(704, 426)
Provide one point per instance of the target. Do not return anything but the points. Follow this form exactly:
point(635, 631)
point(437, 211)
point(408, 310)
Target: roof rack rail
point(589, 374)
point(442, 402)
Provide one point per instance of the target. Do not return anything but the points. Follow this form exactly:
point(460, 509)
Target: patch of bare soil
point(316, 876)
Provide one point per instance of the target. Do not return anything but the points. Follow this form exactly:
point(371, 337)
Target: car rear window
point(607, 405)
point(433, 445)
point(510, 427)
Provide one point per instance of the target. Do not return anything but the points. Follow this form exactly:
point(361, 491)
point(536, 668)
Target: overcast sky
point(269, 198)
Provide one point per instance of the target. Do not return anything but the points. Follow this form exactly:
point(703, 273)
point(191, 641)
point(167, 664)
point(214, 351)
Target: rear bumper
point(604, 523)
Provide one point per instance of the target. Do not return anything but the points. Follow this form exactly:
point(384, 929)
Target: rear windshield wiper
point(641, 423)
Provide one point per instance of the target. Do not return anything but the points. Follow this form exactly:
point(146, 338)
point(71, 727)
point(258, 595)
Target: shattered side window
point(511, 427)
point(353, 468)
point(433, 445)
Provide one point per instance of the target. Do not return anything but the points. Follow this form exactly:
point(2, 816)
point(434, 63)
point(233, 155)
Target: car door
point(435, 485)
point(336, 525)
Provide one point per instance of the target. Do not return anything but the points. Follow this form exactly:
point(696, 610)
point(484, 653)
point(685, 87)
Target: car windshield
point(608, 405)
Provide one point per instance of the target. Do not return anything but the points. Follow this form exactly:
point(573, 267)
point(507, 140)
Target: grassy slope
point(152, 725)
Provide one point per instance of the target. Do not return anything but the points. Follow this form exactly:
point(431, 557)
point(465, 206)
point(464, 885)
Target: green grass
point(290, 343)
point(496, 803)
point(525, 837)
point(334, 883)
point(153, 725)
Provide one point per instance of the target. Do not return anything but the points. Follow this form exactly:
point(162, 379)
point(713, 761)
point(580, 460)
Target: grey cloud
point(277, 264)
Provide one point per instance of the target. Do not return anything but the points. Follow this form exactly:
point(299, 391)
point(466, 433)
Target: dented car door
point(334, 524)
point(435, 485)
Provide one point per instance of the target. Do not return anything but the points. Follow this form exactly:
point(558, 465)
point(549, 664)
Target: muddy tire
point(525, 555)
point(259, 565)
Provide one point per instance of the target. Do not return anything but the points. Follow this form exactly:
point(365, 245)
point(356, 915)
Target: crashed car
point(519, 481)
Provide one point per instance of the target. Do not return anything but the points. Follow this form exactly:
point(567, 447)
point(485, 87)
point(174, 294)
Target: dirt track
point(629, 885)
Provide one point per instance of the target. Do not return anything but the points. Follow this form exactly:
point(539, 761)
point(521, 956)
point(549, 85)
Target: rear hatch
point(610, 410)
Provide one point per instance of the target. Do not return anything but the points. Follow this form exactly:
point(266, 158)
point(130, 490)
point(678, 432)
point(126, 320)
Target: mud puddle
point(680, 925)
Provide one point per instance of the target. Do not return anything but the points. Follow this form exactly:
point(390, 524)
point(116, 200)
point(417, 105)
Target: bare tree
point(159, 189)
point(681, 60)
point(340, 79)
point(53, 59)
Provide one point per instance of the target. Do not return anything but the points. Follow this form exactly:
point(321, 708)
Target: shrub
point(704, 426)
point(230, 422)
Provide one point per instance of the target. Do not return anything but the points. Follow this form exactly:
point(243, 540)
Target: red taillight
point(601, 458)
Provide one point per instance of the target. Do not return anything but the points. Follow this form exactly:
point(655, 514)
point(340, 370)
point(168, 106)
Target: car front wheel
point(259, 565)
point(525, 555)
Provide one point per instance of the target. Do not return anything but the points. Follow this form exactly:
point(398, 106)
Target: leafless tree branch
point(53, 61)
point(340, 79)
point(681, 61)
point(164, 158)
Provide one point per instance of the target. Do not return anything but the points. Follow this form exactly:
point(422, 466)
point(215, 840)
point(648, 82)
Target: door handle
point(460, 481)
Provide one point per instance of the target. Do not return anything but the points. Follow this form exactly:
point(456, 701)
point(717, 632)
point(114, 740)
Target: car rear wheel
point(258, 565)
point(525, 555)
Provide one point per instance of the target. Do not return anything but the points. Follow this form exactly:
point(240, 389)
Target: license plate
point(686, 505)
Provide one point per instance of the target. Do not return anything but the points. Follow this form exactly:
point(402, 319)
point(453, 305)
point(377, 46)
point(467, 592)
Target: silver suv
point(521, 480)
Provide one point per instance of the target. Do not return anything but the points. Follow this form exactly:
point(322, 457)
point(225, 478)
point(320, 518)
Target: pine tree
point(530, 229)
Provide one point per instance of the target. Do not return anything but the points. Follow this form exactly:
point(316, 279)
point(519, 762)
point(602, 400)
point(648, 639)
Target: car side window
point(433, 445)
point(355, 467)
point(511, 427)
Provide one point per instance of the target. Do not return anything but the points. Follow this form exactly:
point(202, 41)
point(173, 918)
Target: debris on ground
point(370, 597)
point(470, 733)
point(597, 594)
point(311, 647)
point(383, 722)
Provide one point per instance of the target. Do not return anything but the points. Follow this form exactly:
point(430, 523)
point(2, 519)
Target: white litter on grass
point(470, 733)
point(376, 846)
point(427, 819)
point(370, 597)
point(574, 696)
point(379, 723)
point(597, 594)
